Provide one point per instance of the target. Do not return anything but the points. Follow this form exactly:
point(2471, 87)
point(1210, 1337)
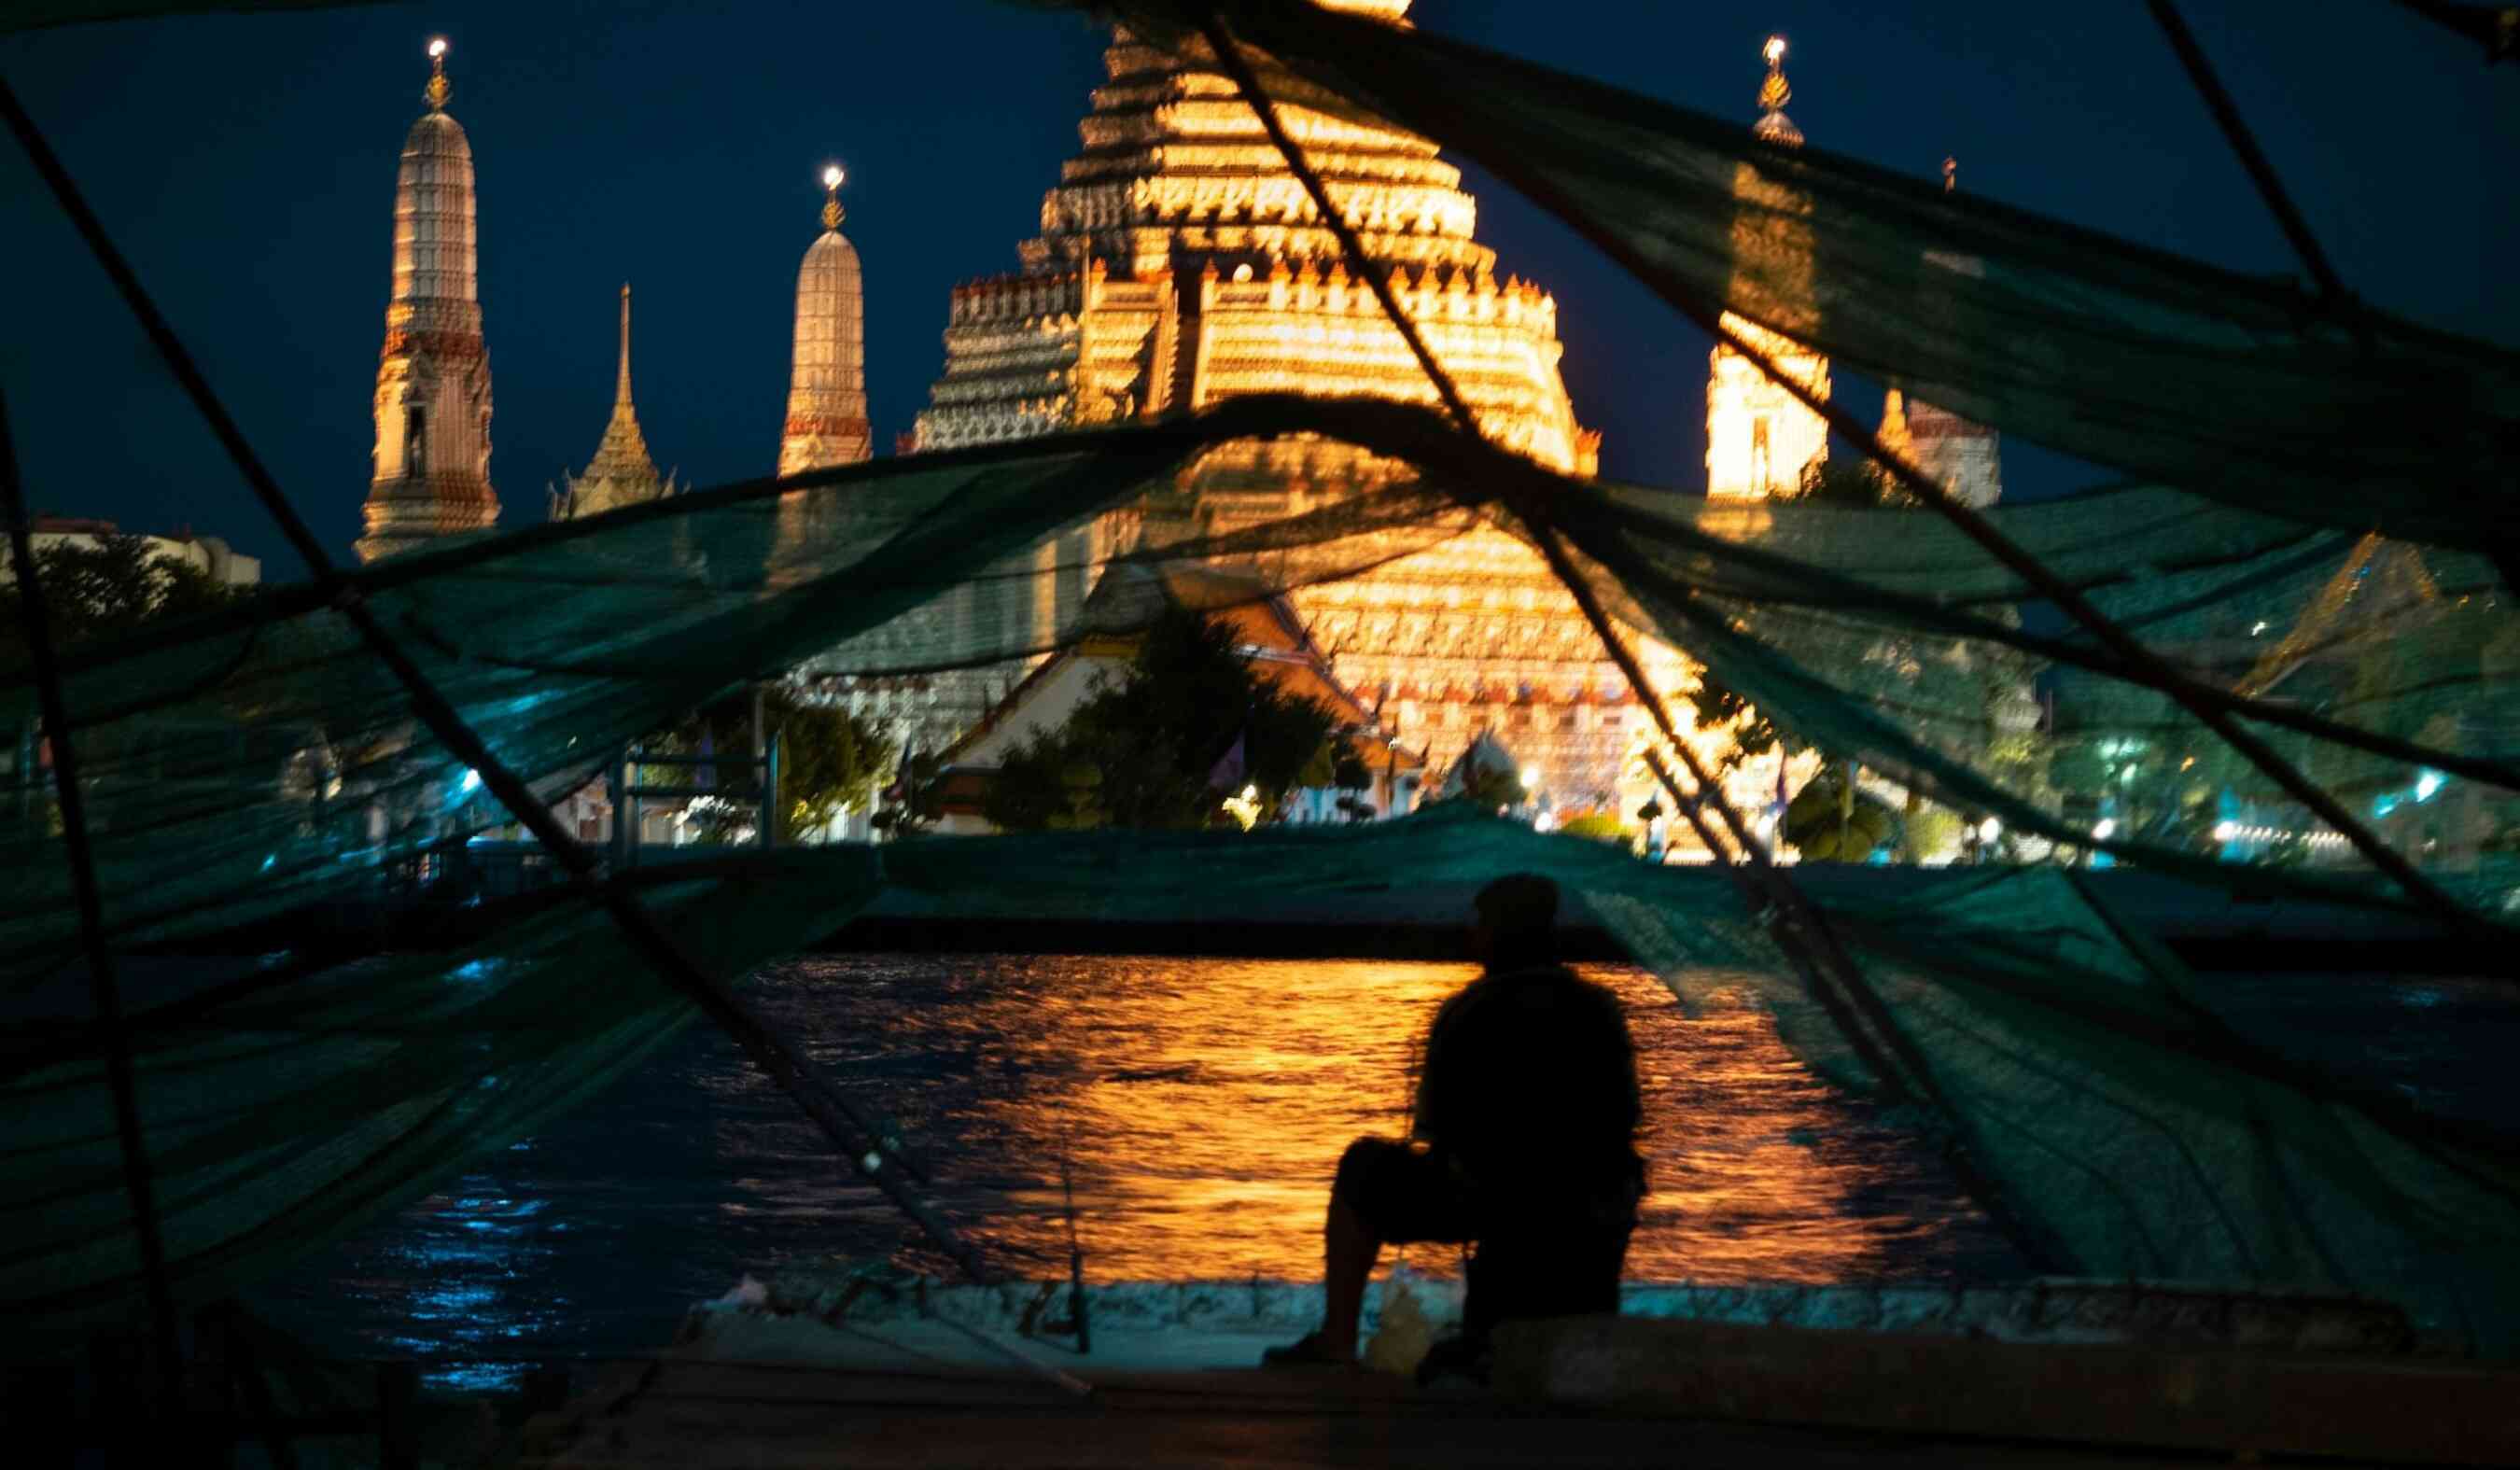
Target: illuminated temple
point(1181, 262)
point(432, 472)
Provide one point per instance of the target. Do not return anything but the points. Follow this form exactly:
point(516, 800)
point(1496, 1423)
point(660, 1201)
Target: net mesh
point(260, 763)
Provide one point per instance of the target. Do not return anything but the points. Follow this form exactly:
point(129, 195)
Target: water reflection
point(1198, 1105)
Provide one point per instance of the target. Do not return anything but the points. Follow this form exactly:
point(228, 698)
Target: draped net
point(259, 764)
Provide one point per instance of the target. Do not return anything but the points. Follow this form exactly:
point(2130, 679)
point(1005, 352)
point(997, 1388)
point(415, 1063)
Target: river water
point(1197, 1107)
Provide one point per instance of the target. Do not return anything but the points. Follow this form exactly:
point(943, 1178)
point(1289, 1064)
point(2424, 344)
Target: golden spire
point(832, 177)
point(1951, 175)
point(439, 90)
point(1774, 94)
point(621, 393)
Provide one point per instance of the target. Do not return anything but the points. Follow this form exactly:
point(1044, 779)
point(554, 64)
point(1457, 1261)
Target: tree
point(917, 798)
point(1830, 821)
point(1855, 483)
point(103, 590)
point(1143, 751)
point(829, 759)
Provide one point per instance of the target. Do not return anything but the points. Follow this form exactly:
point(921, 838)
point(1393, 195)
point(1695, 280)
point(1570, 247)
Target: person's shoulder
point(1552, 984)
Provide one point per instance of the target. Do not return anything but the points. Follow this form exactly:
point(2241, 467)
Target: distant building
point(208, 554)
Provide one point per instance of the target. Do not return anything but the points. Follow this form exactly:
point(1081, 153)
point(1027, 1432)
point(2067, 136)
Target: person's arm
point(1429, 1111)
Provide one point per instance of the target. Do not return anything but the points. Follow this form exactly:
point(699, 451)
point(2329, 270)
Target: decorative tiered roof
point(622, 474)
point(1181, 261)
point(827, 402)
point(432, 473)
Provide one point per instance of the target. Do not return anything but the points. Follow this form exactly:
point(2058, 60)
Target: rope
point(166, 1338)
point(834, 1112)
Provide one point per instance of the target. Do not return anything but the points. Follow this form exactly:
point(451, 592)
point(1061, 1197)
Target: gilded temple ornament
point(1774, 93)
point(438, 89)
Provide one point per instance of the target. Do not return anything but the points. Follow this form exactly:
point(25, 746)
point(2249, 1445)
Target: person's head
point(1516, 921)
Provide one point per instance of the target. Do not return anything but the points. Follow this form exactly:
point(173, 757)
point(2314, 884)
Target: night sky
point(246, 165)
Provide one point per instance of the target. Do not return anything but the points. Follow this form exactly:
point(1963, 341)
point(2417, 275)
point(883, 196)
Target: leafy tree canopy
point(829, 759)
point(103, 589)
point(1145, 750)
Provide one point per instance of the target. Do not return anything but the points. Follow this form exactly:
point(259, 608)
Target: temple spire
point(431, 467)
point(1774, 126)
point(1761, 440)
point(622, 391)
point(622, 474)
point(826, 404)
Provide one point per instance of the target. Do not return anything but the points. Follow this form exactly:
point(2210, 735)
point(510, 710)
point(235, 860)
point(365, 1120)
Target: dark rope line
point(836, 1113)
point(2199, 700)
point(2235, 131)
point(2194, 697)
point(166, 1335)
point(1229, 55)
point(1836, 980)
point(1637, 524)
point(1786, 890)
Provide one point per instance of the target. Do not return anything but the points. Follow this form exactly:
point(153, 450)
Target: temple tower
point(1759, 438)
point(1181, 262)
point(622, 474)
point(432, 404)
point(827, 402)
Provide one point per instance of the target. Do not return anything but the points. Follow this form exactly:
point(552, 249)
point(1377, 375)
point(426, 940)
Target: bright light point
point(2427, 783)
point(832, 177)
point(2224, 831)
point(1776, 50)
point(2108, 826)
point(2257, 628)
point(471, 783)
point(1988, 829)
point(436, 47)
point(1530, 777)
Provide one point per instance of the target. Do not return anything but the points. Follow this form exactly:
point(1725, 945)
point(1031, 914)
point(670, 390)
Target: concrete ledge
point(2403, 1409)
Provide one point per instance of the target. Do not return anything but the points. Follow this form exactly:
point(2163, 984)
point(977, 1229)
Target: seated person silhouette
point(1523, 1144)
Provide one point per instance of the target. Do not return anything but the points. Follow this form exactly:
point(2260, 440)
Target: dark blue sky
point(246, 164)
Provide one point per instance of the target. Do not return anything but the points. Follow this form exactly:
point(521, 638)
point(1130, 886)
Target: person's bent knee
point(1360, 1162)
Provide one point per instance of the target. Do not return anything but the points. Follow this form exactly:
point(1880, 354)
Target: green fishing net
point(2323, 496)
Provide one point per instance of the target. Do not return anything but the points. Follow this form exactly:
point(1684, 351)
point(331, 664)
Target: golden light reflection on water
point(1203, 1105)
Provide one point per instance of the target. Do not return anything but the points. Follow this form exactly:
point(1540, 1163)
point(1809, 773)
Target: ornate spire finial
point(621, 393)
point(1774, 94)
point(831, 176)
point(439, 90)
point(1951, 175)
